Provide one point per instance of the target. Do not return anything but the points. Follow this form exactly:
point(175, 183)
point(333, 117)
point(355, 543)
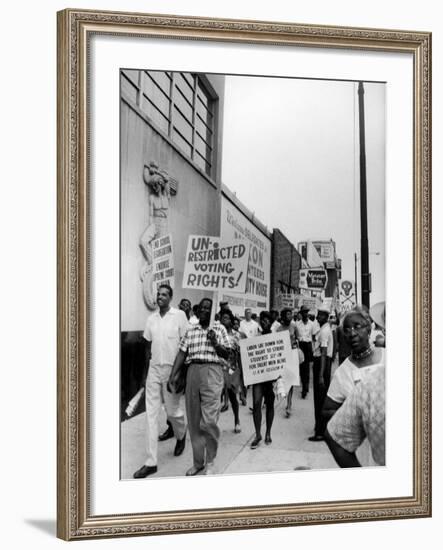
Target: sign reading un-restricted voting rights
point(215, 264)
point(265, 357)
point(163, 261)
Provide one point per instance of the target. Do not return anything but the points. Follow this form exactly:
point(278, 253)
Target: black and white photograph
point(252, 274)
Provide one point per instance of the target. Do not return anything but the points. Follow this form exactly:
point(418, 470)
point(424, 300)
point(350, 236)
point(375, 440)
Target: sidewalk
point(290, 448)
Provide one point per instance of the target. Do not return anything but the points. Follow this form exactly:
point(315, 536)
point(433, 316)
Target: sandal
point(255, 443)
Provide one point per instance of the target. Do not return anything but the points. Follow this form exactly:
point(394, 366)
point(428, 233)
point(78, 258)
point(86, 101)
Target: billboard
point(317, 253)
point(235, 226)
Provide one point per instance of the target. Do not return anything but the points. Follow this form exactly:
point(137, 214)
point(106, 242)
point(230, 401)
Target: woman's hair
point(266, 315)
point(358, 310)
point(229, 313)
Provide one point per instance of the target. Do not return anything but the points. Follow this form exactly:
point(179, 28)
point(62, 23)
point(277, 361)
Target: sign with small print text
point(265, 357)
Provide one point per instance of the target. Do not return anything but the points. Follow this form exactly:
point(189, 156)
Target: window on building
point(182, 107)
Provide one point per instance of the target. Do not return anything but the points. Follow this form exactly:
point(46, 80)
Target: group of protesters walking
point(194, 365)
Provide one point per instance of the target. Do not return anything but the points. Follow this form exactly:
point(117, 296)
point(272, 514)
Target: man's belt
point(203, 362)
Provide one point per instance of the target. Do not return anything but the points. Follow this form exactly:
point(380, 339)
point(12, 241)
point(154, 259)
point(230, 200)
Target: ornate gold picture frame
point(76, 28)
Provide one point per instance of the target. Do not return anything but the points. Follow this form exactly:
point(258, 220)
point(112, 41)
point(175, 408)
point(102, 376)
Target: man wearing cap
point(323, 351)
point(305, 335)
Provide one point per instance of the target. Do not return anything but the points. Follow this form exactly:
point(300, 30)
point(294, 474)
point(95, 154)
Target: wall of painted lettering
point(237, 223)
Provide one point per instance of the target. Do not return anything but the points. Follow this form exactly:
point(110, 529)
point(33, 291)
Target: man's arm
point(323, 361)
point(221, 349)
point(179, 362)
point(344, 458)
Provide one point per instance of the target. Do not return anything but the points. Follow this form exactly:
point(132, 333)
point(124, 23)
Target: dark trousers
point(320, 392)
point(263, 390)
point(306, 348)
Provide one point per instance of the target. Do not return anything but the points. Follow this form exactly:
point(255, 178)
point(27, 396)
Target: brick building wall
point(285, 267)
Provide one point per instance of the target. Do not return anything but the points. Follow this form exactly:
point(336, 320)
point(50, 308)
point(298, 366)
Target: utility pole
point(364, 247)
point(355, 277)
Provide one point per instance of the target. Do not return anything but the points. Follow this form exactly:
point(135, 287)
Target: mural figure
point(157, 182)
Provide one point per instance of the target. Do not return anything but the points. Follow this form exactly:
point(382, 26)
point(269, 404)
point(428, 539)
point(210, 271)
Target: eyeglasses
point(357, 327)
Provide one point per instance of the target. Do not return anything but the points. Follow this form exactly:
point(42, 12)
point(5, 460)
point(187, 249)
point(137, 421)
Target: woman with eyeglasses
point(357, 326)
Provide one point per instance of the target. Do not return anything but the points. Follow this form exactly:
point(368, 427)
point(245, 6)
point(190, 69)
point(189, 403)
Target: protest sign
point(347, 296)
point(287, 301)
point(215, 264)
point(265, 357)
point(163, 262)
point(310, 302)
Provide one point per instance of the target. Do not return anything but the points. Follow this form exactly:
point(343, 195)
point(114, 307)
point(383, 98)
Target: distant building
point(322, 254)
point(285, 268)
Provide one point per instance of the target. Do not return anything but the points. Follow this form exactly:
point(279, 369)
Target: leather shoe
point(168, 434)
point(316, 438)
point(145, 471)
point(180, 446)
point(193, 470)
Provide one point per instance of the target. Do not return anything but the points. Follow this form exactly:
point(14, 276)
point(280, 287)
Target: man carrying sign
point(202, 348)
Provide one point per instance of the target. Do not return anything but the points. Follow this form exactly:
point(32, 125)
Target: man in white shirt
point(248, 326)
point(323, 351)
point(305, 331)
point(163, 332)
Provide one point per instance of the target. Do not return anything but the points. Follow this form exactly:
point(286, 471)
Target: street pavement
point(290, 448)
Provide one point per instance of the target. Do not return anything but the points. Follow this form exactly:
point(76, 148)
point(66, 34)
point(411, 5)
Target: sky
point(291, 154)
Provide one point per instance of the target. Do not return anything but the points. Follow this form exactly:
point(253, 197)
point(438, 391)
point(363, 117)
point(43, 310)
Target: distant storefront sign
point(212, 263)
point(313, 279)
point(236, 227)
point(163, 262)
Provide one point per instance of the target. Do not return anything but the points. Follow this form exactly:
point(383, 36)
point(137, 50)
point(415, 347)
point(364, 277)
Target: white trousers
point(156, 394)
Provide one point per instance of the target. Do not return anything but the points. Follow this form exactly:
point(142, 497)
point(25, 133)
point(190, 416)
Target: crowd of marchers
point(193, 369)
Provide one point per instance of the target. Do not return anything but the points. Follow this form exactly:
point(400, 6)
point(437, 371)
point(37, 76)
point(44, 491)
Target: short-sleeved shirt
point(363, 415)
point(347, 376)
point(249, 328)
point(196, 345)
point(290, 328)
point(165, 333)
point(304, 331)
point(324, 339)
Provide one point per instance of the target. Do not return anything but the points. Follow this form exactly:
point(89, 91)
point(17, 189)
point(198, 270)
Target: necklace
point(363, 354)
